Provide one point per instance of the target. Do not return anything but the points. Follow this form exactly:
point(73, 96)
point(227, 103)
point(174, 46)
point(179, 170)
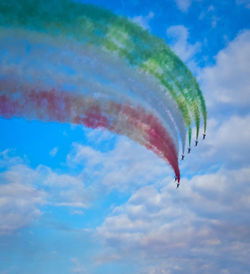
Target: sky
point(77, 200)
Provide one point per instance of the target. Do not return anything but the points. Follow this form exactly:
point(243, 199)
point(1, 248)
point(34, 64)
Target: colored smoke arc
point(76, 63)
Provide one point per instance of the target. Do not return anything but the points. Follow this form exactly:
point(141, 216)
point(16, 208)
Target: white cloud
point(178, 36)
point(226, 144)
point(214, 21)
point(19, 206)
point(77, 266)
point(227, 93)
point(166, 229)
point(234, 135)
point(24, 190)
point(226, 84)
point(63, 189)
point(124, 168)
point(99, 135)
point(127, 166)
point(244, 2)
point(77, 212)
point(210, 15)
point(183, 5)
point(80, 154)
point(53, 152)
point(66, 190)
point(143, 21)
point(7, 158)
point(19, 200)
point(19, 174)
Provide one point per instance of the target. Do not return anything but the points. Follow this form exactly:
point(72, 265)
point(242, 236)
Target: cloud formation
point(183, 5)
point(156, 227)
point(143, 21)
point(19, 206)
point(207, 219)
point(178, 36)
point(125, 167)
point(53, 152)
point(226, 84)
point(24, 190)
point(246, 3)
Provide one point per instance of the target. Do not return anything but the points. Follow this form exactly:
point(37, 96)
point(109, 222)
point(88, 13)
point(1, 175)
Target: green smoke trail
point(99, 27)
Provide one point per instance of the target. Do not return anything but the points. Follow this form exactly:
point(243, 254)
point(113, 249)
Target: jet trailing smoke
point(75, 63)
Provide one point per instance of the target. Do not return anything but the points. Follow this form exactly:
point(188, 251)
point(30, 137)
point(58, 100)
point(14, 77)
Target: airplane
point(178, 183)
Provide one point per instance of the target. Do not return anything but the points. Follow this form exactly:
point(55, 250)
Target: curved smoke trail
point(107, 71)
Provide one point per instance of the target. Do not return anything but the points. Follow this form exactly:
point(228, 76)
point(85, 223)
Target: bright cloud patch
point(19, 206)
point(228, 81)
point(181, 47)
point(124, 168)
point(183, 5)
point(23, 191)
point(179, 42)
point(166, 236)
point(143, 21)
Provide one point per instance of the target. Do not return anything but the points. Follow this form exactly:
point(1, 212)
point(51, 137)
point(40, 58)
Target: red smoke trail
point(158, 139)
point(66, 107)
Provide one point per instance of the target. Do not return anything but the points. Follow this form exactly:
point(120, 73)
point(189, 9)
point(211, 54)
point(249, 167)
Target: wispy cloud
point(244, 2)
point(53, 152)
point(226, 144)
point(19, 206)
point(178, 37)
point(125, 167)
point(183, 5)
point(143, 21)
point(24, 190)
point(78, 266)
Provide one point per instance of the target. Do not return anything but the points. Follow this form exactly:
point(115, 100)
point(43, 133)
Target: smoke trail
point(63, 107)
point(86, 68)
point(92, 25)
point(125, 79)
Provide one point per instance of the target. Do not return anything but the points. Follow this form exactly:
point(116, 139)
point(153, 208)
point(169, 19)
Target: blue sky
point(75, 200)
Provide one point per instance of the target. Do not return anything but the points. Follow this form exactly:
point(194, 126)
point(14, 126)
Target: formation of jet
point(183, 156)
